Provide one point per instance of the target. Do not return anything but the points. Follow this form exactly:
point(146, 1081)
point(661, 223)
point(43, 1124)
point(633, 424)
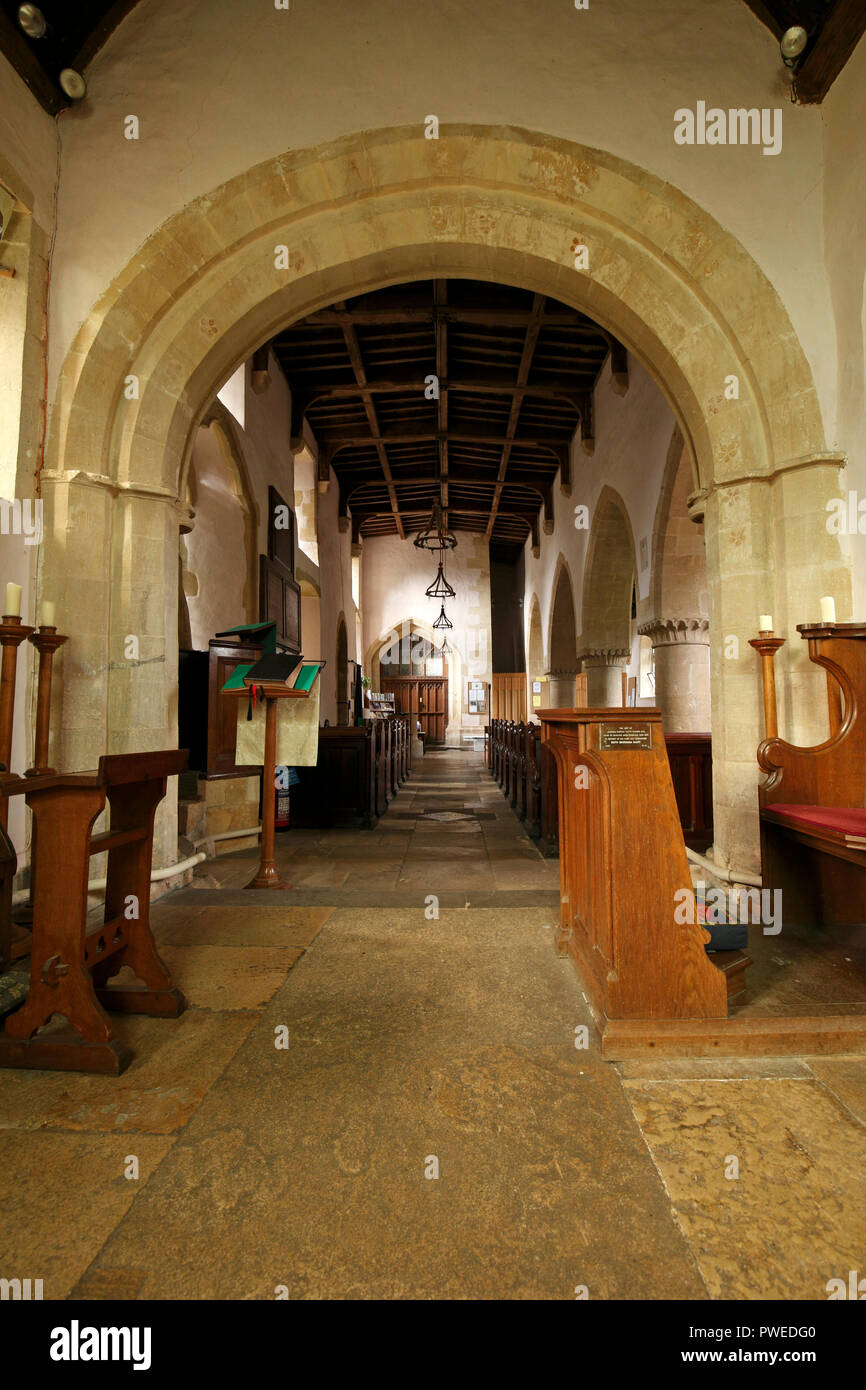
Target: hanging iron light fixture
point(445, 649)
point(442, 621)
point(440, 588)
point(435, 536)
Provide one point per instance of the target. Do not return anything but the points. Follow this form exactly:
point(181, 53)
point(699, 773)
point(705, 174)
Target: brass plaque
point(626, 736)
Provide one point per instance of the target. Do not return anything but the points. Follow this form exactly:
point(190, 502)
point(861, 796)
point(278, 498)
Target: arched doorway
point(662, 275)
point(412, 666)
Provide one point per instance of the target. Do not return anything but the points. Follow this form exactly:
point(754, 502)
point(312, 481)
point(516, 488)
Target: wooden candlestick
point(12, 634)
point(46, 641)
point(768, 645)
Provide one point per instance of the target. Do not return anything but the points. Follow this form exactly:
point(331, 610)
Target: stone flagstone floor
point(417, 1045)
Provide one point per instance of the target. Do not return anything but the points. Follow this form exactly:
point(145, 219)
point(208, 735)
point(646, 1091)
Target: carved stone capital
point(677, 632)
point(604, 656)
point(563, 673)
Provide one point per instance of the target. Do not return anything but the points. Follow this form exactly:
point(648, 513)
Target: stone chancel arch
point(310, 227)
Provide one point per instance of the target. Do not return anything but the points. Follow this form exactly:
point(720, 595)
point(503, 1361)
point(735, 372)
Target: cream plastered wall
point(844, 120)
point(394, 576)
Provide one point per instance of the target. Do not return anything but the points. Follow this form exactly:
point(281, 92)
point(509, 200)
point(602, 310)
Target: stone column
point(604, 668)
point(681, 653)
point(561, 687)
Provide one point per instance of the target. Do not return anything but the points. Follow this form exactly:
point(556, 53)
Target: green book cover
point(236, 679)
point(306, 676)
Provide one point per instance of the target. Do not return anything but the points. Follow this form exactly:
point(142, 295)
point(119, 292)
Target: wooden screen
point(423, 699)
point(508, 696)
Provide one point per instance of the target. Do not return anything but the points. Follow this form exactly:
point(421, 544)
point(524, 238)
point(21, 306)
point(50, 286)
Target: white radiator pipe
point(728, 875)
point(97, 885)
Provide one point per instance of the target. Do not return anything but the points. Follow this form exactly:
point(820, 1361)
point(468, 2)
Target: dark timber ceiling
point(515, 376)
point(79, 28)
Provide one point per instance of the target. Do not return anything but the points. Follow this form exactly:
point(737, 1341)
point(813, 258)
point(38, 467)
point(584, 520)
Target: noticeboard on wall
point(476, 697)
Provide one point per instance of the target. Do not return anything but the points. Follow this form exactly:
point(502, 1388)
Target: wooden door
point(433, 707)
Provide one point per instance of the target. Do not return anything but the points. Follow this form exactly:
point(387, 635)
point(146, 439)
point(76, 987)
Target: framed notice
point(476, 697)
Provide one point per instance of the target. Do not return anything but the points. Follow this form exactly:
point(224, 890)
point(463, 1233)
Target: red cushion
point(846, 820)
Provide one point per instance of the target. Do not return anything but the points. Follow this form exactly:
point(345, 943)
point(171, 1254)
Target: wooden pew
point(623, 863)
point(340, 791)
point(72, 962)
point(691, 761)
point(813, 820)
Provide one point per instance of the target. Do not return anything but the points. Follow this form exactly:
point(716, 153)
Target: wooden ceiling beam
point(530, 342)
point(358, 368)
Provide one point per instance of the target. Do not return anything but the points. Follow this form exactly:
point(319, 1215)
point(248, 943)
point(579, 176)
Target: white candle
point(13, 601)
point(828, 610)
point(765, 622)
point(47, 618)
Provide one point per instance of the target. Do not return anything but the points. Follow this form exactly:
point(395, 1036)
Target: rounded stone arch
point(678, 579)
point(535, 640)
point(381, 208)
point(608, 576)
point(562, 658)
point(221, 423)
point(606, 605)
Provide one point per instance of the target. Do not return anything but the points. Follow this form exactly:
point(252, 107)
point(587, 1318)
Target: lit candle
point(828, 610)
point(47, 618)
point(765, 622)
point(13, 601)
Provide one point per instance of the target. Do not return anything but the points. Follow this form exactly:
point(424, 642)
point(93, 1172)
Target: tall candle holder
point(768, 645)
point(46, 641)
point(12, 634)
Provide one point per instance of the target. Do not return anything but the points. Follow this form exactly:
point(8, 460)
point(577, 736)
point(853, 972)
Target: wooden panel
point(222, 714)
point(423, 700)
point(281, 540)
point(280, 602)
point(621, 844)
point(508, 696)
point(691, 759)
point(340, 789)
